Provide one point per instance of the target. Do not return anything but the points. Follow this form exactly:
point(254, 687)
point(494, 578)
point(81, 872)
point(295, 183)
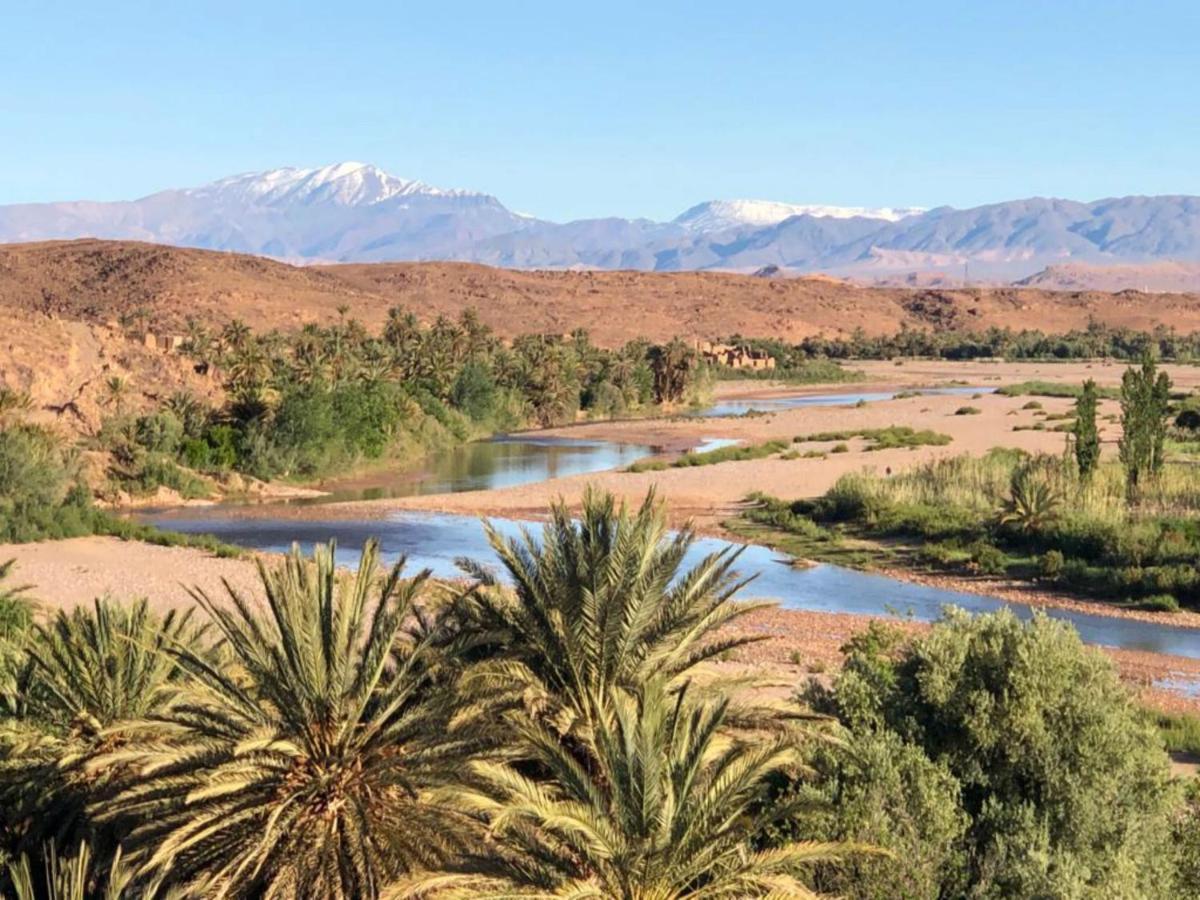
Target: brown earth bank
point(799, 644)
point(97, 281)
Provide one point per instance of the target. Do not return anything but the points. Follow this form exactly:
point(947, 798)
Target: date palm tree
point(1035, 496)
point(301, 768)
point(602, 603)
point(661, 805)
point(91, 679)
point(16, 618)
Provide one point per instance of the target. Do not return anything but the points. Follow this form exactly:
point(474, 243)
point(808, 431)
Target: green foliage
point(968, 411)
point(655, 802)
point(889, 438)
point(1096, 341)
point(1180, 731)
point(599, 604)
point(1144, 396)
point(1018, 505)
point(324, 731)
point(90, 677)
point(41, 495)
point(1051, 389)
point(881, 791)
point(1160, 603)
point(327, 398)
point(1050, 565)
point(1035, 496)
point(736, 453)
point(1065, 787)
point(1087, 436)
point(474, 391)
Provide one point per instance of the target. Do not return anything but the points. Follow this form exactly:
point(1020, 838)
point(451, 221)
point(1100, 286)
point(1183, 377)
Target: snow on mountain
point(718, 215)
point(340, 184)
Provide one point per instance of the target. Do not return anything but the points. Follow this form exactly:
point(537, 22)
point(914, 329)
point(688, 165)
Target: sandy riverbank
point(710, 493)
point(65, 574)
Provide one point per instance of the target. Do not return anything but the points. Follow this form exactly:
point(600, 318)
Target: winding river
point(435, 541)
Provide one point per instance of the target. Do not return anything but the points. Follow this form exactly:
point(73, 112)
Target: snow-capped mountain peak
point(717, 215)
point(339, 184)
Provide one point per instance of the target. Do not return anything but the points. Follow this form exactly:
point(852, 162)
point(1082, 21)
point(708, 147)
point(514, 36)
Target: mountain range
point(354, 212)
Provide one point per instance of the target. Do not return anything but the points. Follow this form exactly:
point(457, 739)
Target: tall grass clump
point(1004, 512)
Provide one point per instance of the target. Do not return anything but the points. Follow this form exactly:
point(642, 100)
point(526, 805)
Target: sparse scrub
point(888, 438)
point(713, 457)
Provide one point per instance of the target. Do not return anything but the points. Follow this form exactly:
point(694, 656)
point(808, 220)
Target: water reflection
point(726, 408)
point(486, 465)
point(436, 540)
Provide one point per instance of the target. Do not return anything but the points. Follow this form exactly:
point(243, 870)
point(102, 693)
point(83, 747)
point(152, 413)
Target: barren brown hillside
point(104, 280)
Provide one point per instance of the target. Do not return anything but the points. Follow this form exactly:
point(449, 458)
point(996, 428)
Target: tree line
point(1096, 341)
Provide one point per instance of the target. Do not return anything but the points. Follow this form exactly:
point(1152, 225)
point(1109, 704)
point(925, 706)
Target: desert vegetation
point(306, 404)
point(1119, 529)
point(561, 732)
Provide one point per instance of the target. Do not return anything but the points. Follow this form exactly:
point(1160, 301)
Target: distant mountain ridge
point(356, 212)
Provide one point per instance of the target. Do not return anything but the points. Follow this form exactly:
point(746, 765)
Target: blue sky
point(567, 110)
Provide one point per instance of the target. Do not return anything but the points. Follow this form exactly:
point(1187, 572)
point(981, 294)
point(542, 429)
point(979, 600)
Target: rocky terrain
point(149, 286)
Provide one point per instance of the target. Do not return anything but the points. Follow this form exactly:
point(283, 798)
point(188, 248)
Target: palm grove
point(557, 728)
point(319, 402)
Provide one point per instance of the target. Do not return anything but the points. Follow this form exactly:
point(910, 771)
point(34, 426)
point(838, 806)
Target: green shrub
point(840, 448)
point(880, 438)
point(41, 492)
point(968, 411)
point(1160, 603)
point(160, 432)
point(988, 559)
point(1050, 565)
point(1064, 785)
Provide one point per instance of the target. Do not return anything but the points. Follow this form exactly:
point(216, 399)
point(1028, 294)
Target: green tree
point(1066, 787)
point(1087, 435)
point(599, 603)
point(301, 768)
point(92, 679)
point(875, 788)
point(673, 365)
point(655, 802)
point(1145, 393)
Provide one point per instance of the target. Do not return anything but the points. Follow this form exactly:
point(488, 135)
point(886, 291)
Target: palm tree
point(16, 618)
point(672, 365)
point(91, 679)
point(300, 769)
point(661, 805)
point(600, 604)
point(116, 392)
point(1035, 497)
point(192, 414)
point(77, 877)
point(235, 335)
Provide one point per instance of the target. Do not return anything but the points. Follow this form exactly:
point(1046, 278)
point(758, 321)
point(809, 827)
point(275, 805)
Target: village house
point(735, 357)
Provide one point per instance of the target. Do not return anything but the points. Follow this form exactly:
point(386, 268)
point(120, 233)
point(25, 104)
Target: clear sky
point(567, 110)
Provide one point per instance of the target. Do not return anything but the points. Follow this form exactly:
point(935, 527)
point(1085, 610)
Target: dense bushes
point(41, 491)
point(999, 759)
point(311, 403)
